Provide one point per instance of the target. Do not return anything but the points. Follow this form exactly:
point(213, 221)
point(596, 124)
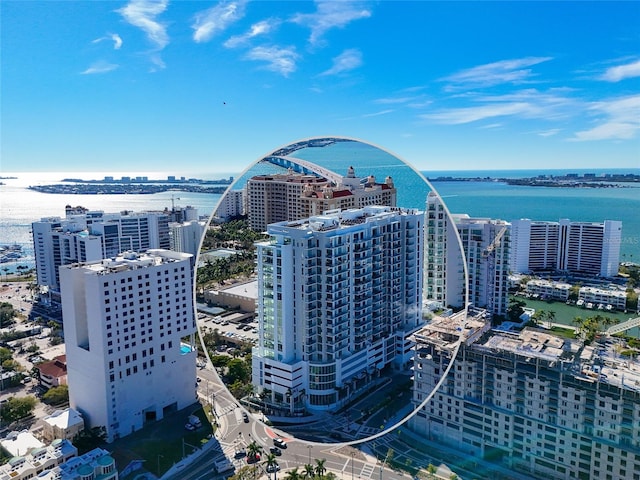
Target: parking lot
point(235, 328)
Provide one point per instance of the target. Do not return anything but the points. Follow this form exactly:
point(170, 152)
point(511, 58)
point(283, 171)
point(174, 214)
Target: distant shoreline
point(606, 180)
point(124, 189)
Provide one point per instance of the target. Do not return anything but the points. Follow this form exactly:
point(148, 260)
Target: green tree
point(5, 354)
point(309, 471)
point(431, 470)
point(220, 360)
point(7, 314)
point(56, 395)
point(515, 309)
point(271, 461)
point(293, 475)
point(253, 450)
point(17, 407)
point(238, 370)
point(320, 468)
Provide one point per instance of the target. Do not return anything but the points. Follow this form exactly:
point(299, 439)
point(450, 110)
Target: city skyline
point(474, 85)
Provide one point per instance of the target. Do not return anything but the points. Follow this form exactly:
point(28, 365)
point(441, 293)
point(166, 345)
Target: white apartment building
point(39, 462)
point(129, 328)
point(340, 295)
point(293, 196)
point(87, 236)
point(545, 406)
point(575, 247)
point(97, 464)
point(186, 237)
point(602, 297)
point(549, 290)
point(486, 245)
point(232, 204)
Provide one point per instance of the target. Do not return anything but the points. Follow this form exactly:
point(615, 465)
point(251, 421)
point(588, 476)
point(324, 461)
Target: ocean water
point(19, 206)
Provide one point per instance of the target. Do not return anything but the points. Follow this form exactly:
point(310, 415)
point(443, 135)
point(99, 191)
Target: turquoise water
point(20, 206)
point(184, 349)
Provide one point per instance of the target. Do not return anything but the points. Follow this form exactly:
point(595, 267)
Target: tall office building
point(340, 295)
point(486, 248)
point(87, 236)
point(129, 335)
point(545, 406)
point(293, 196)
point(574, 247)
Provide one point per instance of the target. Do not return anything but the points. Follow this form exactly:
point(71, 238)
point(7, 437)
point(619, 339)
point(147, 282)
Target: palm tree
point(309, 471)
point(320, 468)
point(293, 475)
point(253, 449)
point(550, 317)
point(272, 461)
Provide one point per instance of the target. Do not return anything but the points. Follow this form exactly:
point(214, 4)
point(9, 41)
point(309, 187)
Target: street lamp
point(352, 454)
point(309, 447)
point(159, 457)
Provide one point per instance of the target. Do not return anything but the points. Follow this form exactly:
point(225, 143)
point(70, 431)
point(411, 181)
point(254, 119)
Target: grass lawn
point(161, 444)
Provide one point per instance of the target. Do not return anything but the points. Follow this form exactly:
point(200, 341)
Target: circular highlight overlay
point(324, 260)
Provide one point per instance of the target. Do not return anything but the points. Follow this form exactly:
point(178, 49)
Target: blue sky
point(199, 87)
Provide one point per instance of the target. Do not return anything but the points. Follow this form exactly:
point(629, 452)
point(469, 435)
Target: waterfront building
point(603, 298)
point(129, 335)
point(38, 462)
point(578, 248)
point(87, 236)
point(186, 237)
point(548, 290)
point(486, 247)
point(294, 196)
point(545, 406)
point(339, 296)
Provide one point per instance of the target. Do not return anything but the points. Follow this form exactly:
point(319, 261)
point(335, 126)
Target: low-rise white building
point(600, 296)
point(38, 460)
point(549, 290)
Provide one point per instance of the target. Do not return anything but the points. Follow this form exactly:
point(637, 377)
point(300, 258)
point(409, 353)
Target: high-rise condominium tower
point(129, 334)
point(340, 294)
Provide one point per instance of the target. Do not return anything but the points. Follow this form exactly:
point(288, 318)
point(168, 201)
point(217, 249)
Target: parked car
point(189, 427)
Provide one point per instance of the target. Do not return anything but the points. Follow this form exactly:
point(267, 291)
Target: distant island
point(134, 186)
point(570, 180)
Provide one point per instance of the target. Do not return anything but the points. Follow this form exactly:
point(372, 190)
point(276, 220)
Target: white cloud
point(549, 133)
point(395, 100)
point(100, 67)
point(260, 28)
point(330, 14)
point(117, 41)
point(347, 60)
point(621, 120)
point(142, 14)
point(280, 60)
point(376, 114)
point(458, 116)
point(523, 104)
point(216, 19)
point(622, 72)
point(504, 71)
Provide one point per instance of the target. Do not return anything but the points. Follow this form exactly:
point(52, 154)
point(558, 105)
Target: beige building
point(65, 424)
point(293, 196)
